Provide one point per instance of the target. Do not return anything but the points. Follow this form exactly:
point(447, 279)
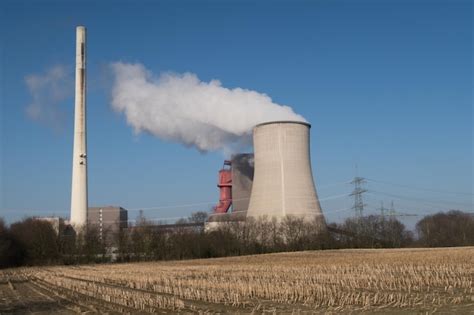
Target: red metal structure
point(225, 188)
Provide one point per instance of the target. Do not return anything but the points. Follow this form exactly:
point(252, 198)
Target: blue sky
point(386, 85)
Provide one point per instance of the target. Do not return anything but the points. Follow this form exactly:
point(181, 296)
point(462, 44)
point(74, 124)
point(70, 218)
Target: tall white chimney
point(79, 159)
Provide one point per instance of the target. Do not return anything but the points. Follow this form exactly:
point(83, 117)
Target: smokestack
point(79, 158)
point(283, 181)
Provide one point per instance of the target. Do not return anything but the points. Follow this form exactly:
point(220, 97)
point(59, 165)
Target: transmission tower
point(392, 212)
point(382, 211)
point(357, 193)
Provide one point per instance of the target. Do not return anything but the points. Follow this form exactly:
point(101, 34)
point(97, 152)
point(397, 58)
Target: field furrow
point(370, 281)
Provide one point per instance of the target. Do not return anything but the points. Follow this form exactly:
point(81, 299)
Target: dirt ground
point(65, 290)
point(30, 297)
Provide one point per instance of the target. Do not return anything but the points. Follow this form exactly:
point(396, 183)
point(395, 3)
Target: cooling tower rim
point(284, 122)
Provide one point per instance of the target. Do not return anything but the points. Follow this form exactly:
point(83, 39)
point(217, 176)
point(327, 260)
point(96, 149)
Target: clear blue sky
point(385, 84)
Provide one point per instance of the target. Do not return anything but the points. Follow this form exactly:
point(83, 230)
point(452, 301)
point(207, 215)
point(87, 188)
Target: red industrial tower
point(225, 188)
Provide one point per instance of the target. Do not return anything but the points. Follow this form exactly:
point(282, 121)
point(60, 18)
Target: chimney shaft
point(79, 159)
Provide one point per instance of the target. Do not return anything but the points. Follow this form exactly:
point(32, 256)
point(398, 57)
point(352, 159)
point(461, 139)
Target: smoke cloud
point(47, 91)
point(182, 108)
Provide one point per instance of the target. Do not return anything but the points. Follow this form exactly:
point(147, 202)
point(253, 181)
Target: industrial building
point(274, 182)
point(242, 179)
point(235, 186)
point(109, 220)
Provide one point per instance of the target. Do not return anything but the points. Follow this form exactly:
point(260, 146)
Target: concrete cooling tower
point(283, 181)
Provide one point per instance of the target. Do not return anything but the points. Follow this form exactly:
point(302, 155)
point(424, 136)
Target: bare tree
point(454, 228)
point(11, 252)
point(38, 238)
point(198, 217)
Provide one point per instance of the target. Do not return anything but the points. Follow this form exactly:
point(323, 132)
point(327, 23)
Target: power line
point(408, 211)
point(375, 197)
point(418, 199)
point(382, 210)
point(420, 188)
point(214, 214)
point(162, 207)
point(333, 184)
point(408, 214)
point(392, 208)
point(357, 193)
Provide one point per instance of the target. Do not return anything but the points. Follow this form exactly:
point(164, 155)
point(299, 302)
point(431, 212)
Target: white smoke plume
point(182, 108)
point(47, 91)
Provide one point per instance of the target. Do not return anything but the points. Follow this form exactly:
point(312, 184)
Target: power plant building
point(283, 182)
point(108, 220)
point(242, 179)
point(235, 186)
point(274, 182)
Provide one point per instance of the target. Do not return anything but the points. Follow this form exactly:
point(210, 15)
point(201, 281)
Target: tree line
point(35, 242)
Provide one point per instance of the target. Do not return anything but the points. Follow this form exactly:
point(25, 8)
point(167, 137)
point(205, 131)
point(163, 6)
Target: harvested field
point(364, 281)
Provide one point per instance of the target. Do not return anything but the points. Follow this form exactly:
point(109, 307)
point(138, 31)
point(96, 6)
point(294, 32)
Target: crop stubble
point(316, 281)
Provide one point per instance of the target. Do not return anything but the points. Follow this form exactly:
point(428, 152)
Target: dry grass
point(370, 280)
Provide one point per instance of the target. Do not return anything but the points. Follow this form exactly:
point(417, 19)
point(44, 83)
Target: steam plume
point(180, 107)
point(47, 91)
